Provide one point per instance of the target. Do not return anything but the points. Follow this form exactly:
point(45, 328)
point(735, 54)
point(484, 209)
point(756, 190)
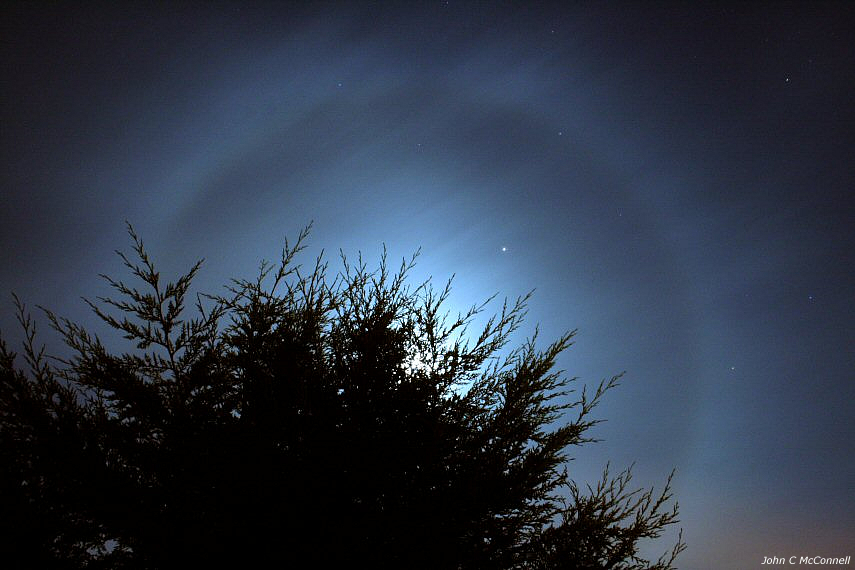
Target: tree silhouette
point(297, 417)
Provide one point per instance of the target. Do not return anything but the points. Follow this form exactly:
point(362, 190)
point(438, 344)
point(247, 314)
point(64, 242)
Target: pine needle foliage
point(303, 419)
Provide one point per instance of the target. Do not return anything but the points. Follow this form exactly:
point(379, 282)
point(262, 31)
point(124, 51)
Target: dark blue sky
point(674, 181)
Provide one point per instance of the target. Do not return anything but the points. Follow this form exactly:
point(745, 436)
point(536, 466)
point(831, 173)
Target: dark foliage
point(295, 418)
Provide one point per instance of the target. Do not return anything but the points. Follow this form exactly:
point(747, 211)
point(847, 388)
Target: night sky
point(674, 181)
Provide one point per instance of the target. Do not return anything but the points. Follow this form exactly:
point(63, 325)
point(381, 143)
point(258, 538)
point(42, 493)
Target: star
point(504, 248)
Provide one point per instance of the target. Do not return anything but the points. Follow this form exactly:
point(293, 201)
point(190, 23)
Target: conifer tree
point(303, 419)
